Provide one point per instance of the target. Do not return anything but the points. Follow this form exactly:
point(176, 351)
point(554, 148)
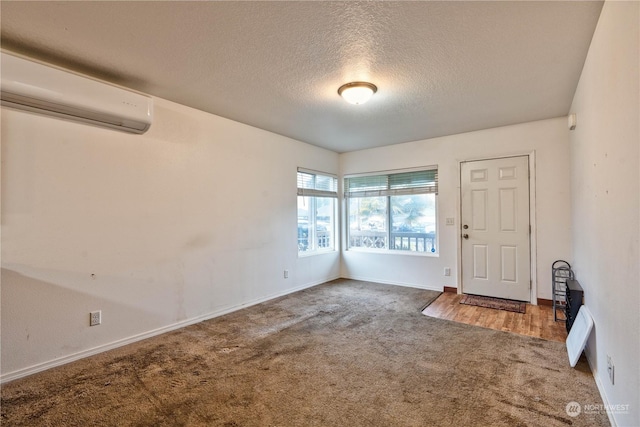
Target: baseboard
point(603, 395)
point(449, 289)
point(386, 282)
point(24, 372)
point(547, 302)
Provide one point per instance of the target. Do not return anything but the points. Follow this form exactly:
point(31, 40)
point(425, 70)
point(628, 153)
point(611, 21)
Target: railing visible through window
point(393, 211)
point(317, 196)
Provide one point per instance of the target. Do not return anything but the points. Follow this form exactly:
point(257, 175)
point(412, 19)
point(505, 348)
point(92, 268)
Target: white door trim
point(532, 219)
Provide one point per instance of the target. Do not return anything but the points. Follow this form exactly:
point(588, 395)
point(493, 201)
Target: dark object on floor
point(497, 303)
point(574, 301)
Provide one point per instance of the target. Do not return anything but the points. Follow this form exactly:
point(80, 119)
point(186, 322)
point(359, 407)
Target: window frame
point(310, 191)
point(381, 186)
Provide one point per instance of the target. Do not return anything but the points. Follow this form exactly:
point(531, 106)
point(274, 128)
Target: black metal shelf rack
point(560, 273)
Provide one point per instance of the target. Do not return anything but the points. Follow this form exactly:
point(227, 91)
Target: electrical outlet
point(610, 369)
point(95, 318)
point(286, 274)
point(447, 271)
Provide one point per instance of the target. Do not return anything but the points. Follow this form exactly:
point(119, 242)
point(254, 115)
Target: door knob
point(465, 236)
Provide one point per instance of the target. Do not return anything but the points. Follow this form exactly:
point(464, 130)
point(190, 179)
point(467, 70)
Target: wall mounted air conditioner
point(39, 88)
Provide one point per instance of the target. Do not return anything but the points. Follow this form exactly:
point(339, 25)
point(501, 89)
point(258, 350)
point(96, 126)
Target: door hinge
point(530, 284)
point(529, 228)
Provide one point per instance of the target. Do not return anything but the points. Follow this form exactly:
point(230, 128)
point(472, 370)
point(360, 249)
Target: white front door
point(495, 228)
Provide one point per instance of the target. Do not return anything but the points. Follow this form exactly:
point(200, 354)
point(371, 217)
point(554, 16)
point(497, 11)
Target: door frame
point(533, 261)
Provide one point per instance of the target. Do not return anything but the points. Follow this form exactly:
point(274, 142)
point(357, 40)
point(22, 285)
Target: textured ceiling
point(441, 67)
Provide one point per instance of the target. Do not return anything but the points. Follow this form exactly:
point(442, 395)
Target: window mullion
point(389, 226)
point(313, 240)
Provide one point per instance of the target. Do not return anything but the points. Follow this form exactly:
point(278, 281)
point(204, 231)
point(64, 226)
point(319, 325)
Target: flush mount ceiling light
point(357, 92)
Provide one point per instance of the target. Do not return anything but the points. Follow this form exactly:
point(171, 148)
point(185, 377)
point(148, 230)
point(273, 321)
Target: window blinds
point(316, 185)
point(397, 184)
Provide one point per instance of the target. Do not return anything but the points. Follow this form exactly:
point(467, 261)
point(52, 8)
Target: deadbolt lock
point(465, 226)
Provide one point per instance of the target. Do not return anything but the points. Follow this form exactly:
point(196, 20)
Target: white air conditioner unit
point(44, 89)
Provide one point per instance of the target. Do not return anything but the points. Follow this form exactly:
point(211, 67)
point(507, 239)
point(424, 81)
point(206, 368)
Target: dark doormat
point(497, 303)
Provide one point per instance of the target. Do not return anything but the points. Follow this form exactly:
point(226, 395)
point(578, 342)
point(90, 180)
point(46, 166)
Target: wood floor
point(536, 322)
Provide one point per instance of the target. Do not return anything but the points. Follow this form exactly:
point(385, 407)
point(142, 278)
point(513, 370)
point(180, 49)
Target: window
point(393, 211)
point(317, 195)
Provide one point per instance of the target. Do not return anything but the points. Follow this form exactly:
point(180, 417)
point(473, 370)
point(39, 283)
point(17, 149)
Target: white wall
point(605, 202)
point(547, 138)
point(194, 218)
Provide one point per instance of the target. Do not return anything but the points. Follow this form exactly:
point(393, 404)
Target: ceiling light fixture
point(357, 92)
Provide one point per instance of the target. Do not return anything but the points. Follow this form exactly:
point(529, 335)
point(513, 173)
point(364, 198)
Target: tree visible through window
point(393, 211)
point(317, 195)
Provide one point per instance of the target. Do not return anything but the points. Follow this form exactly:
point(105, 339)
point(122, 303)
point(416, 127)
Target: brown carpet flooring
point(346, 353)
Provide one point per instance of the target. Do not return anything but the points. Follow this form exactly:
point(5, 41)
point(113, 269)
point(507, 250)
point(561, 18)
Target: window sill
point(314, 253)
point(389, 252)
